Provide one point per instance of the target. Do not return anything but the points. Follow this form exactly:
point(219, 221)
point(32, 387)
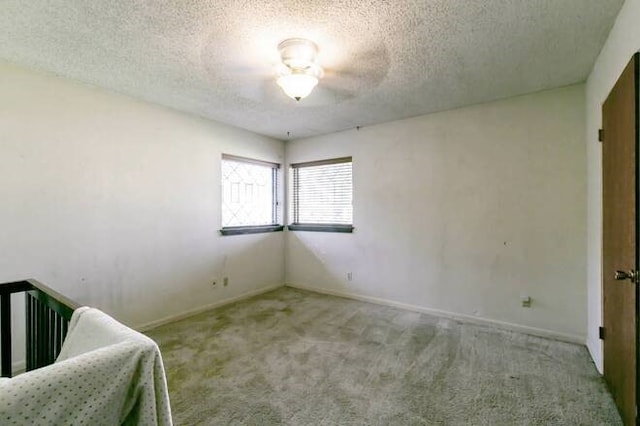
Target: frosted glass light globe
point(297, 85)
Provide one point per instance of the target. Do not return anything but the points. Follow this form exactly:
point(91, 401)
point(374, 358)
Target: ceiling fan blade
point(259, 90)
point(359, 69)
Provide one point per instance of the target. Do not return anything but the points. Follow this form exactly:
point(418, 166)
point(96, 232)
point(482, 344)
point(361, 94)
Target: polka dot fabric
point(106, 374)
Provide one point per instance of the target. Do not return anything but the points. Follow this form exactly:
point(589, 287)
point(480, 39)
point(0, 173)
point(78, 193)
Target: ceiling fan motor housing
point(299, 54)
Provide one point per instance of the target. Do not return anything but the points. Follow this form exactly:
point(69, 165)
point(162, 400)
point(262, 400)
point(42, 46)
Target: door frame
point(636, 72)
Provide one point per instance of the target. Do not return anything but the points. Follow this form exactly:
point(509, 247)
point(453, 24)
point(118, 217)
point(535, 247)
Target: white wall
point(116, 203)
point(462, 211)
point(623, 42)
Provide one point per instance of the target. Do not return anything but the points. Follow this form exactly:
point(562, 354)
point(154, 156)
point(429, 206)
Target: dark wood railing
point(47, 318)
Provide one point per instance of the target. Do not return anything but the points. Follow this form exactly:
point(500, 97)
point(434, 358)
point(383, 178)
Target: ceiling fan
point(301, 76)
point(300, 71)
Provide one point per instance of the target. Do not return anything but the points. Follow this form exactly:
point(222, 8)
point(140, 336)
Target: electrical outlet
point(225, 281)
point(349, 276)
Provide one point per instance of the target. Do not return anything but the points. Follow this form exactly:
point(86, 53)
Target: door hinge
point(601, 333)
point(601, 135)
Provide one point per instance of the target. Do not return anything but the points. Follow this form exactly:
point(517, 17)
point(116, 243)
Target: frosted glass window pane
point(248, 194)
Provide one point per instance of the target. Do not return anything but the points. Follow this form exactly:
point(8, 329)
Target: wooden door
point(620, 226)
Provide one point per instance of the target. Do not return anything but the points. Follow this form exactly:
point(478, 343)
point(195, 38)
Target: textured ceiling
point(385, 60)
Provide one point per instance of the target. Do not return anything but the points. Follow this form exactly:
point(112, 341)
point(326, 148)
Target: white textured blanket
point(106, 374)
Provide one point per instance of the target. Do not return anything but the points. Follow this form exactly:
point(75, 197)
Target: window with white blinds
point(322, 195)
point(249, 196)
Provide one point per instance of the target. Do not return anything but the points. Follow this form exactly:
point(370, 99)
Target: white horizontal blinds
point(323, 192)
point(248, 192)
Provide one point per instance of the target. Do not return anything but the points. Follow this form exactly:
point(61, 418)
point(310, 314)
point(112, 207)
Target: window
point(249, 196)
point(321, 196)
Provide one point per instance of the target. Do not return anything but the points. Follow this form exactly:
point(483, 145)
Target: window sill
point(321, 228)
point(241, 230)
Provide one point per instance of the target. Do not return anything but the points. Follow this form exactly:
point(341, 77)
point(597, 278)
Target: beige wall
point(116, 203)
point(462, 212)
point(623, 42)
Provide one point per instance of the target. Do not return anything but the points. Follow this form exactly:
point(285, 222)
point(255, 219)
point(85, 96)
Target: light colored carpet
point(301, 358)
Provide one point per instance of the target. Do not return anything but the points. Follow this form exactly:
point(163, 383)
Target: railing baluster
point(29, 333)
point(52, 337)
point(36, 320)
point(42, 333)
point(47, 315)
point(5, 333)
point(58, 336)
point(34, 348)
point(34, 331)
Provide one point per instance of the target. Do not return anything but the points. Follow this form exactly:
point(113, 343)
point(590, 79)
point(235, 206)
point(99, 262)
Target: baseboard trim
point(540, 332)
point(173, 318)
point(595, 350)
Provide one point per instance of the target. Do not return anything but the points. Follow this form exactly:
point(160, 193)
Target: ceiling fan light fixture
point(299, 72)
point(297, 85)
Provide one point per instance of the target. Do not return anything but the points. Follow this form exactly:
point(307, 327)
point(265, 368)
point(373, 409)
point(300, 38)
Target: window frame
point(255, 229)
point(316, 227)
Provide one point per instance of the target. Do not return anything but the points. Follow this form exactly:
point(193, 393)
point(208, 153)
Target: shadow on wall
point(311, 264)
